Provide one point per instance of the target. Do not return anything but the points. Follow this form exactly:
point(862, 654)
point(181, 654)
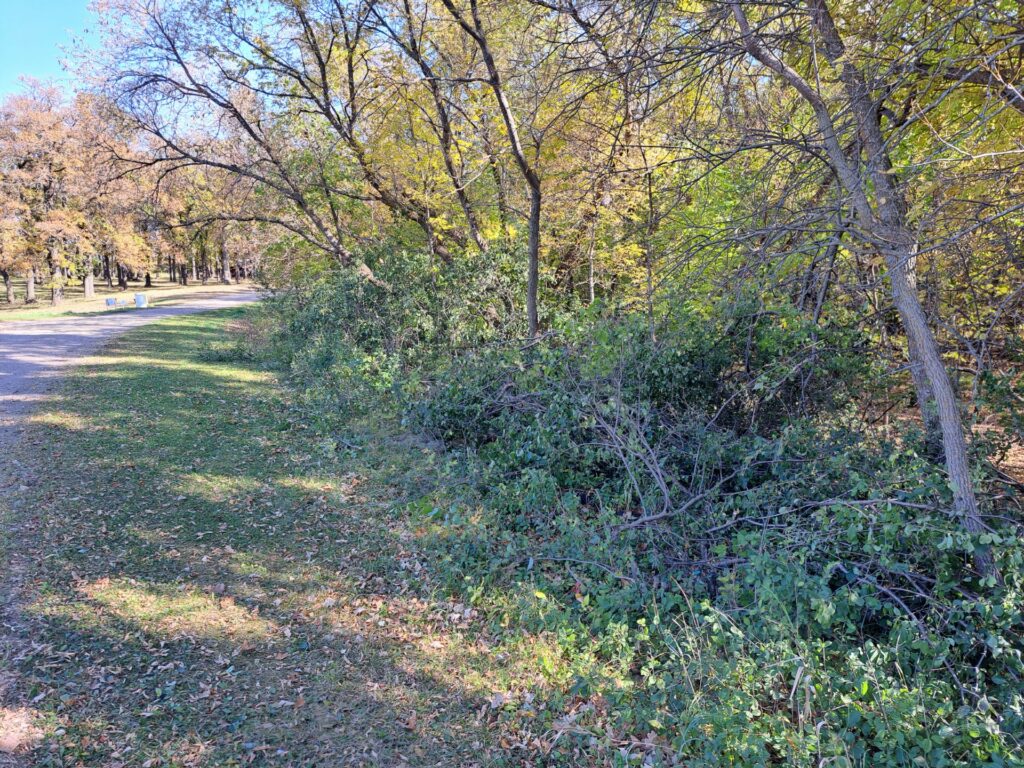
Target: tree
point(853, 90)
point(15, 250)
point(33, 141)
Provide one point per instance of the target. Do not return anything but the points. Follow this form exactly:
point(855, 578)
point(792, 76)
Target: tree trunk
point(590, 277)
point(8, 285)
point(89, 283)
point(30, 286)
point(122, 276)
point(56, 284)
point(225, 267)
point(936, 394)
point(925, 393)
point(880, 209)
point(938, 401)
point(149, 280)
point(533, 267)
point(475, 29)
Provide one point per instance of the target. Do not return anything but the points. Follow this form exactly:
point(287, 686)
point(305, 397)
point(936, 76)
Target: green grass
point(209, 584)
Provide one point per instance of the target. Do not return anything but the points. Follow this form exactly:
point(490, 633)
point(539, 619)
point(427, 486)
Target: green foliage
point(735, 567)
point(357, 344)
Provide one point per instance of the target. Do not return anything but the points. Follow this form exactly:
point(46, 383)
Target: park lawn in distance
point(208, 585)
point(161, 292)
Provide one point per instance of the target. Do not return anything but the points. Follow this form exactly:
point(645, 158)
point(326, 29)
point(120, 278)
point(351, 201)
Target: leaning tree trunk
point(937, 399)
point(925, 394)
point(886, 226)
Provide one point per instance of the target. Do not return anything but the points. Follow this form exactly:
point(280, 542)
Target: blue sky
point(31, 35)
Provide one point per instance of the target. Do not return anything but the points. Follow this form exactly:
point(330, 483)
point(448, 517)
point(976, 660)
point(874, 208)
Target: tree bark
point(8, 285)
point(476, 31)
point(533, 263)
point(225, 267)
point(56, 283)
point(89, 283)
point(30, 286)
point(942, 404)
point(937, 396)
point(590, 274)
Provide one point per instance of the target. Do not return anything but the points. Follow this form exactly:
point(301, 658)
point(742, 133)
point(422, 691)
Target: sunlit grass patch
point(313, 484)
point(126, 367)
point(177, 611)
point(65, 420)
point(232, 373)
point(213, 487)
point(19, 730)
point(248, 565)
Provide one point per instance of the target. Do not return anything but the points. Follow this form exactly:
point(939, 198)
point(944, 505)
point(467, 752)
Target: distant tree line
point(72, 212)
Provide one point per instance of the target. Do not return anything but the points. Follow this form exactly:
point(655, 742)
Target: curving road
point(33, 353)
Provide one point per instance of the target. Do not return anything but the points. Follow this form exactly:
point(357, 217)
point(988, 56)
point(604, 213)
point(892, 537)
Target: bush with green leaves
point(738, 569)
point(774, 581)
point(359, 343)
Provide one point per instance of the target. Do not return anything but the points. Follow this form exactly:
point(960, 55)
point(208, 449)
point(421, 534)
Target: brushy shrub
point(737, 569)
point(775, 582)
point(358, 345)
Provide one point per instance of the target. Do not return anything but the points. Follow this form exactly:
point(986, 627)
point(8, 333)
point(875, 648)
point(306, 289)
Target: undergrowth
point(736, 567)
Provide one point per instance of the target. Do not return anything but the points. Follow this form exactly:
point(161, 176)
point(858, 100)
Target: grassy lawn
point(209, 584)
point(161, 292)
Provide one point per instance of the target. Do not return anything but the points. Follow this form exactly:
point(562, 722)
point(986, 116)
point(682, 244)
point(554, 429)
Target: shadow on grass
point(206, 591)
